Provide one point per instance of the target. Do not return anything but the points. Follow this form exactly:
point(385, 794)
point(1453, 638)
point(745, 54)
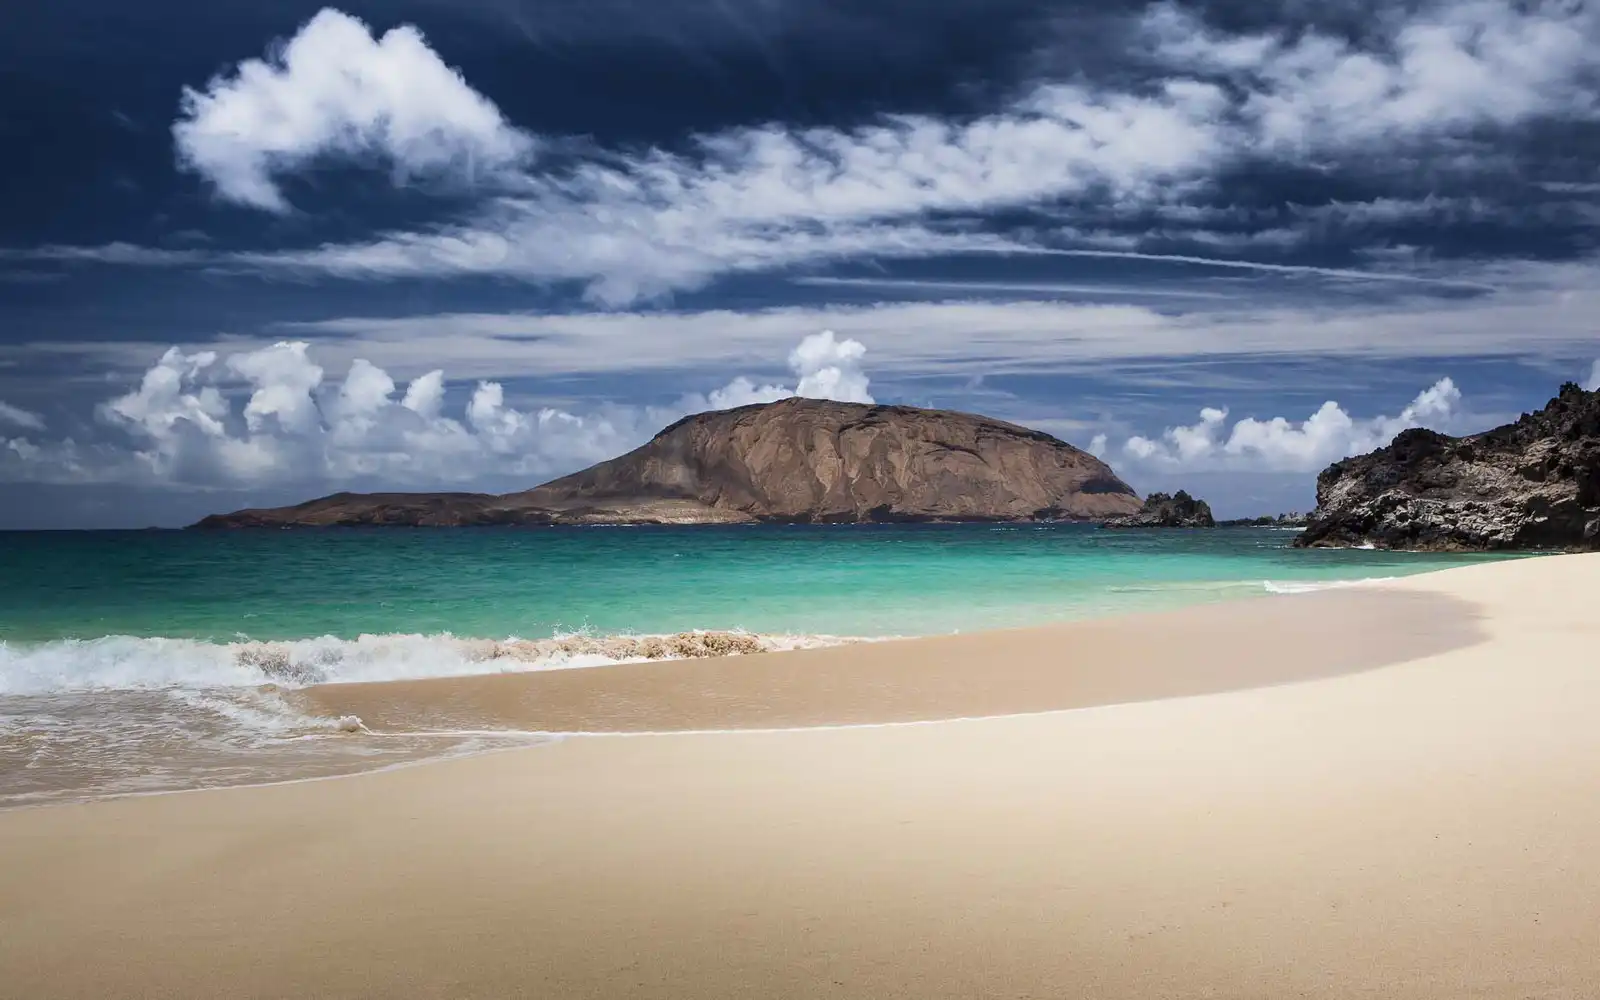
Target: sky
point(256, 253)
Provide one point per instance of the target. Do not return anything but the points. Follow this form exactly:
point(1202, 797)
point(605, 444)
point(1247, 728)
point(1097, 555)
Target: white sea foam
point(75, 745)
point(257, 711)
point(128, 663)
point(1310, 586)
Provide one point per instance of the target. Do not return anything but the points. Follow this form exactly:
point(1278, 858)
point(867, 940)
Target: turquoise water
point(156, 661)
point(491, 583)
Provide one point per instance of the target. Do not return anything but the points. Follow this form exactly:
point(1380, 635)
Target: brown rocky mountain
point(794, 461)
point(1533, 484)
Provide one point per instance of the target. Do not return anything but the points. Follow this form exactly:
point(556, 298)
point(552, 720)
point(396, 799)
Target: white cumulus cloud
point(1594, 378)
point(336, 91)
point(825, 367)
point(1282, 445)
point(830, 369)
point(272, 416)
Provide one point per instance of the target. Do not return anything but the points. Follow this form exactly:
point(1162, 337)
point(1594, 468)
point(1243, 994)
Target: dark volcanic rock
point(794, 461)
point(419, 509)
point(456, 510)
point(1294, 520)
point(1534, 484)
point(1180, 510)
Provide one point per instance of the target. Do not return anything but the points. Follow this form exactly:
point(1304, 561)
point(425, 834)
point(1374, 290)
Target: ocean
point(135, 662)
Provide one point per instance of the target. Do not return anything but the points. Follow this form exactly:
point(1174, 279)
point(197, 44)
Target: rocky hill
point(794, 461)
point(1533, 484)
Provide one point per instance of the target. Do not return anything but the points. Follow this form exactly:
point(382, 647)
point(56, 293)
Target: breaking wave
point(129, 663)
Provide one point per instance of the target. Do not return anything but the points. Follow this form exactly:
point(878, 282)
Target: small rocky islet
point(1163, 510)
point(1180, 510)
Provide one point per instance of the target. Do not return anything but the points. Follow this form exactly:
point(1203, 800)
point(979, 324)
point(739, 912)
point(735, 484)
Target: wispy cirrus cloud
point(130, 254)
point(1250, 265)
point(960, 330)
point(962, 333)
point(627, 225)
point(1049, 289)
point(1441, 68)
point(16, 416)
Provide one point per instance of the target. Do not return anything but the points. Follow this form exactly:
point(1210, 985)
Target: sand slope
point(1196, 650)
point(1429, 829)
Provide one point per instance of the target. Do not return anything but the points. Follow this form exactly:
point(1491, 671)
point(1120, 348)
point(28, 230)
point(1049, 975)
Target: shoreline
point(304, 730)
point(1118, 659)
point(404, 723)
point(1423, 831)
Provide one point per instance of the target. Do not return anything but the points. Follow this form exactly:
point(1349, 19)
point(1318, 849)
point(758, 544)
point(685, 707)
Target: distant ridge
point(794, 461)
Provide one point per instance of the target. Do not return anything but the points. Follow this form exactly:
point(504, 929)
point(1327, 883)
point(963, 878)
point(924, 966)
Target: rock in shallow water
point(1180, 510)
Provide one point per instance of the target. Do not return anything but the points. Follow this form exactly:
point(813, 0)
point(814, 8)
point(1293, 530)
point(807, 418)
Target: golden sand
point(1197, 650)
point(1429, 828)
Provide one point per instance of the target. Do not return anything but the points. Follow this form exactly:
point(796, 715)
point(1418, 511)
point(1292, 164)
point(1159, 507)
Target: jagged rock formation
point(1180, 510)
point(1534, 484)
point(794, 461)
point(1290, 520)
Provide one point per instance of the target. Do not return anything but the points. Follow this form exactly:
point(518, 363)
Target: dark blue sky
point(594, 215)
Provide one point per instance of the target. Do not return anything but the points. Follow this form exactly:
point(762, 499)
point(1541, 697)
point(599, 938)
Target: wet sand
point(1422, 825)
point(1197, 650)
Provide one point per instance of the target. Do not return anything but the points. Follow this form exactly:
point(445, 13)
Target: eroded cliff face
point(1533, 484)
point(797, 461)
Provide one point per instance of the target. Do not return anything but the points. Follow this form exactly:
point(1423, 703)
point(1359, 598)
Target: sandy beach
point(1386, 792)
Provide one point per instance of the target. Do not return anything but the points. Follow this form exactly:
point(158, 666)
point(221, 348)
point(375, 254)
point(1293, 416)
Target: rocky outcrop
point(457, 510)
point(1179, 510)
point(1292, 520)
point(1533, 484)
point(421, 509)
point(794, 461)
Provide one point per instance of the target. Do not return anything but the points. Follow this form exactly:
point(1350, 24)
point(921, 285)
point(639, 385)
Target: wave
point(1227, 587)
point(1311, 586)
point(130, 663)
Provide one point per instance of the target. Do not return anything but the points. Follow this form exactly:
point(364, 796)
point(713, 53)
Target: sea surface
point(157, 661)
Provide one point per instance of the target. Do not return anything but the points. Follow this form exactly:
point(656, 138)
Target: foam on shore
point(129, 663)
